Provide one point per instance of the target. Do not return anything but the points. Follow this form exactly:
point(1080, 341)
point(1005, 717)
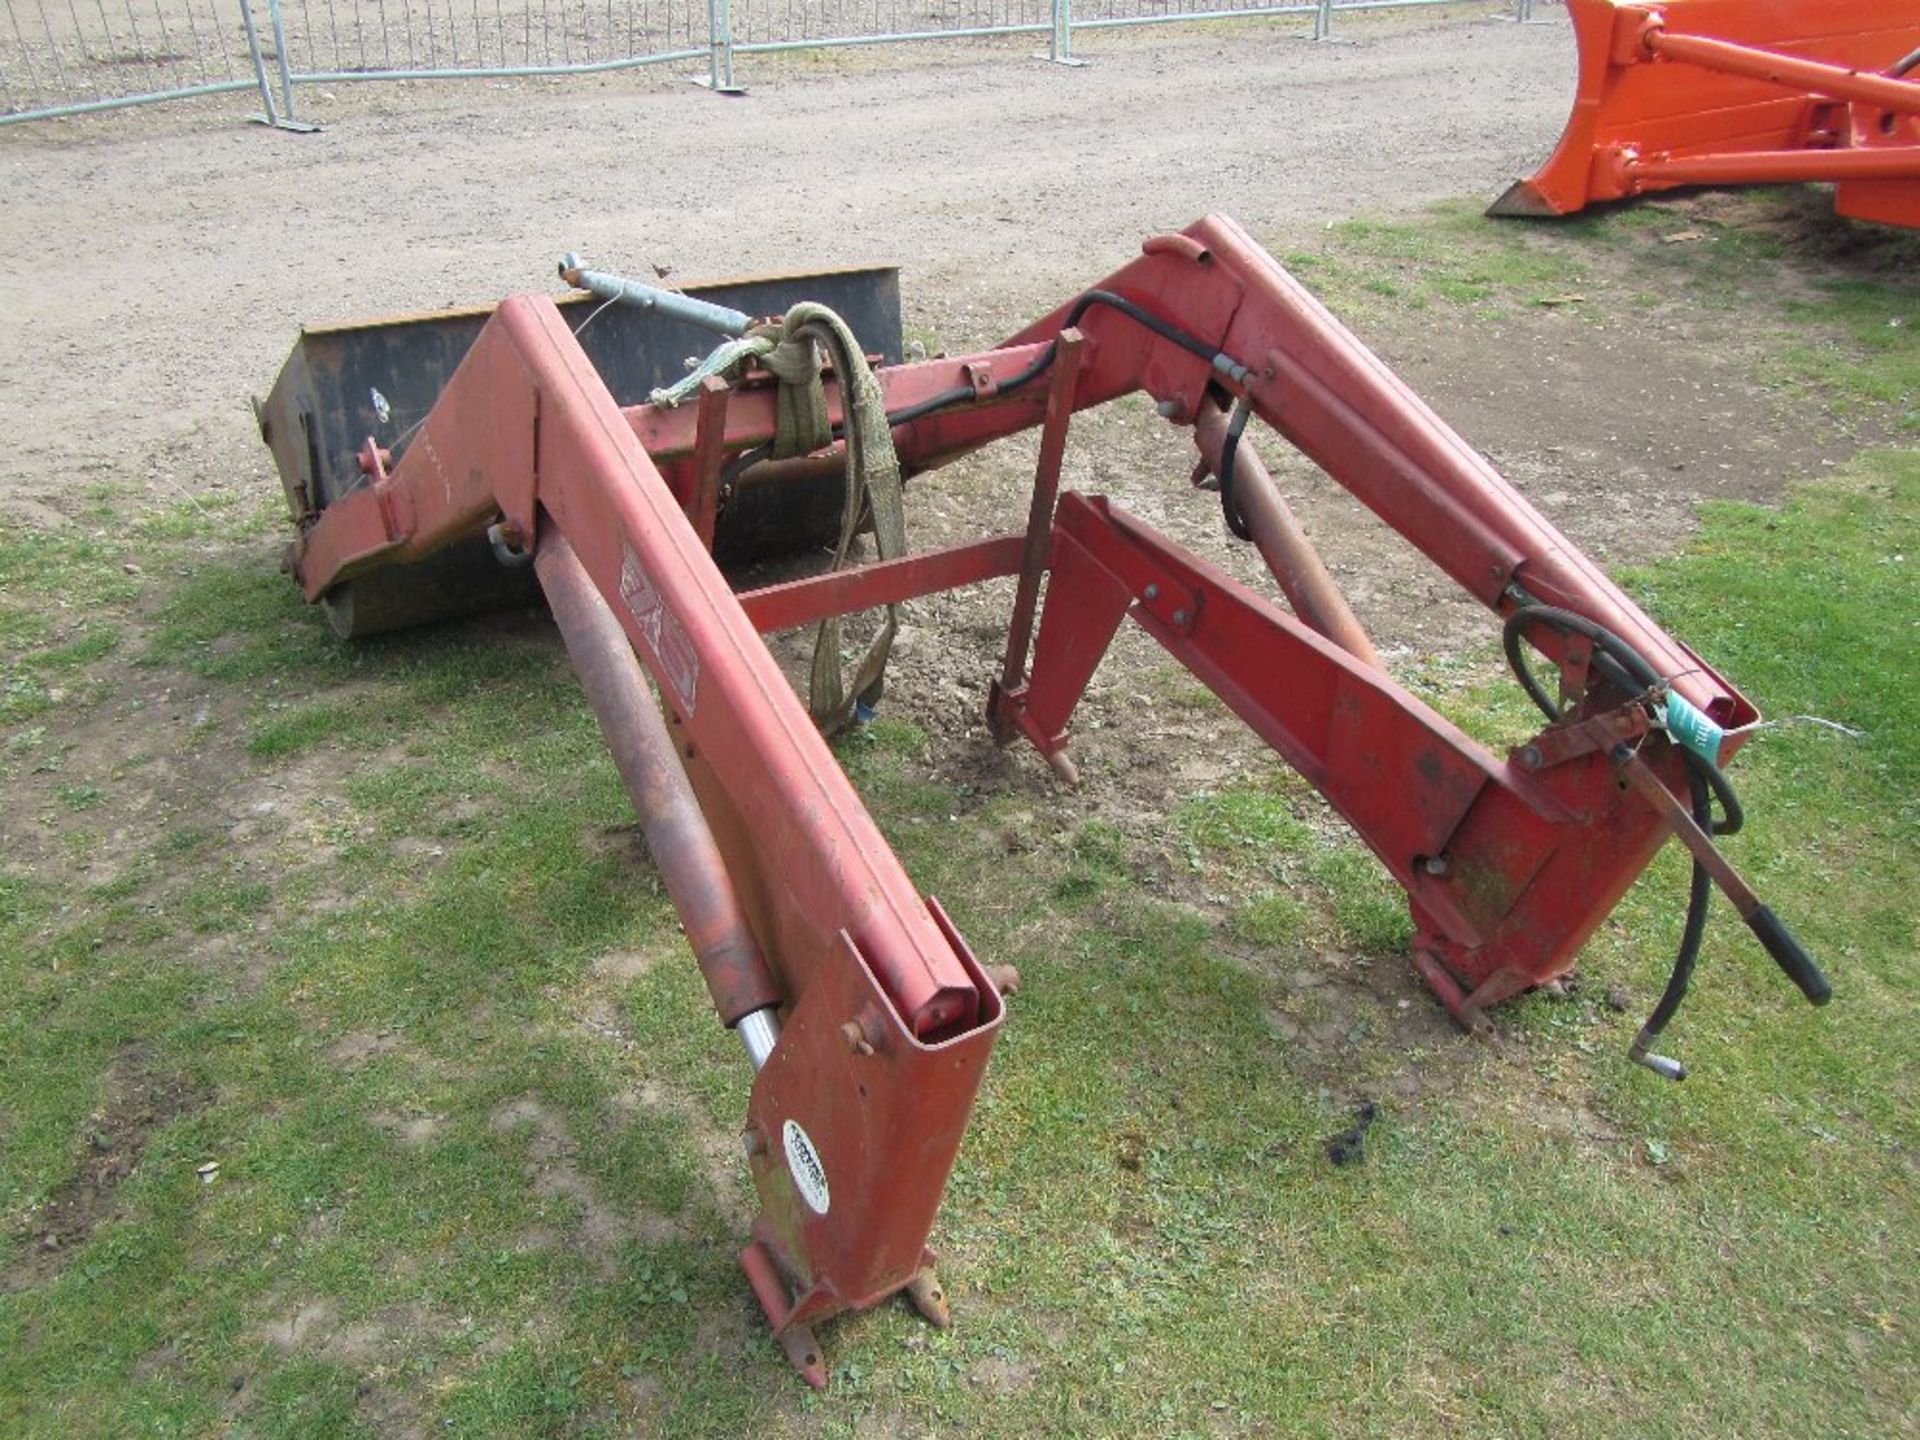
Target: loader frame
point(867, 1017)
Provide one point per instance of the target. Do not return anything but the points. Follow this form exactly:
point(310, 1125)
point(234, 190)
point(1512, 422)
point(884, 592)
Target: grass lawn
point(355, 1080)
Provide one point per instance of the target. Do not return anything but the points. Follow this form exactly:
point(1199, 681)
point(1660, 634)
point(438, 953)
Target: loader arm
point(867, 1018)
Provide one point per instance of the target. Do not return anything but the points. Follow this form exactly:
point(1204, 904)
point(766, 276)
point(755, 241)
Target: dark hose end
point(1665, 1066)
point(570, 267)
point(1788, 954)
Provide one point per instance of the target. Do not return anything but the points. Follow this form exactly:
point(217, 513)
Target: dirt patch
point(358, 1046)
point(601, 1228)
point(410, 1130)
point(620, 966)
point(314, 1327)
point(377, 1346)
point(1003, 1375)
point(139, 1099)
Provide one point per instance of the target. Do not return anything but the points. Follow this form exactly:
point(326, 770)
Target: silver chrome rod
point(759, 1031)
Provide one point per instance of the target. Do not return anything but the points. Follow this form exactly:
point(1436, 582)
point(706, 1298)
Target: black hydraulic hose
point(1628, 671)
point(1192, 344)
point(1603, 639)
point(1229, 452)
point(1699, 897)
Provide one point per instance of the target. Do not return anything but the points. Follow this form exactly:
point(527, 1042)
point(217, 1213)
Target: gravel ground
point(154, 266)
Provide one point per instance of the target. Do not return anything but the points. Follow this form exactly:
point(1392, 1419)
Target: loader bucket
point(1690, 92)
point(346, 384)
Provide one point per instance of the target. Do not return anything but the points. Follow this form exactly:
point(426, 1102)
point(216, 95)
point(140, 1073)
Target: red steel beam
point(1506, 873)
point(866, 587)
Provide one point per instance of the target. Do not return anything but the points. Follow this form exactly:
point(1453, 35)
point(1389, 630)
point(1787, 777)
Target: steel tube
point(1277, 534)
point(646, 756)
point(795, 470)
point(1892, 162)
point(708, 316)
point(259, 62)
point(93, 107)
point(1836, 82)
point(759, 1032)
point(1039, 537)
point(496, 72)
point(280, 55)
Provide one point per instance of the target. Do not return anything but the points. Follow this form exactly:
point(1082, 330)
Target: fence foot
point(281, 122)
point(1059, 49)
point(1322, 32)
point(719, 77)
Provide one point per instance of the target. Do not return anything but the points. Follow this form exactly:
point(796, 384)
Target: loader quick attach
point(440, 464)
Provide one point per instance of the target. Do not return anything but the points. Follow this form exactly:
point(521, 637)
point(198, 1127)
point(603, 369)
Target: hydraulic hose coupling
point(1641, 1053)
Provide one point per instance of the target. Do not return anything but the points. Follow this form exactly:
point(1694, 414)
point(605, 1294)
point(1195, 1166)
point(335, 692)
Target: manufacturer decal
point(679, 662)
point(803, 1163)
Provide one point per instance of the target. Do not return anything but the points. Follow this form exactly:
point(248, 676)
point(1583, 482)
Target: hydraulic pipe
point(678, 838)
point(1835, 82)
point(671, 303)
point(1282, 543)
point(1893, 162)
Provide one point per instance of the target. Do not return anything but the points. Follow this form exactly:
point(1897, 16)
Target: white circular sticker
point(803, 1163)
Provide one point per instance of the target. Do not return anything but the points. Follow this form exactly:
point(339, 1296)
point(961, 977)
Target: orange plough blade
point(1727, 92)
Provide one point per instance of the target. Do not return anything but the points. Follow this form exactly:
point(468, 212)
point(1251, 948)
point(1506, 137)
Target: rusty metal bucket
point(346, 384)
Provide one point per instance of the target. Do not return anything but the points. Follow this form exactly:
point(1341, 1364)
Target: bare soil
point(138, 1100)
point(154, 265)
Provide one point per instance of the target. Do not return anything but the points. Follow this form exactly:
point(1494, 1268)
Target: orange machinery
point(1739, 92)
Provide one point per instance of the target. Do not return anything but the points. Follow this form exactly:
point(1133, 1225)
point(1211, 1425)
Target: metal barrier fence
point(68, 57)
point(61, 57)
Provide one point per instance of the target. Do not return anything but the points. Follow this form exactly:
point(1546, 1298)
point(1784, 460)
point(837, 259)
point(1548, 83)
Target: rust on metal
point(791, 898)
point(1005, 695)
point(1283, 544)
point(678, 838)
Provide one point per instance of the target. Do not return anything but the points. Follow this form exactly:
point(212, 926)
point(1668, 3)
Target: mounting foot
point(803, 1353)
point(929, 1297)
point(1459, 1004)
